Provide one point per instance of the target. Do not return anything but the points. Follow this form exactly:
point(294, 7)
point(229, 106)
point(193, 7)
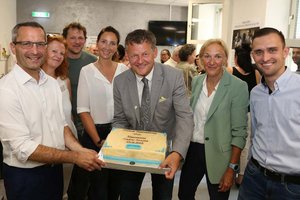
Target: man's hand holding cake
point(172, 162)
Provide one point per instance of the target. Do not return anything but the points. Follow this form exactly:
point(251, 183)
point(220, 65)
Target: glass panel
point(206, 21)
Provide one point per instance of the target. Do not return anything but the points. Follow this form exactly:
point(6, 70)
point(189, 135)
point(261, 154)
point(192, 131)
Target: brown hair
point(74, 25)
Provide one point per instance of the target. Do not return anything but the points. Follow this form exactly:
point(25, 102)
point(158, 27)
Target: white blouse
point(95, 93)
point(66, 102)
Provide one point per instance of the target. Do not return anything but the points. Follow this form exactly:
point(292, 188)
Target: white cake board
point(135, 168)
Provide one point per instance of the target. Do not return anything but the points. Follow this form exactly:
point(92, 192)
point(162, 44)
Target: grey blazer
point(170, 110)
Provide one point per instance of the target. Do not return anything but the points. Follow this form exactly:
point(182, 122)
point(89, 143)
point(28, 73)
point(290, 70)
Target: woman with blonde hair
point(219, 101)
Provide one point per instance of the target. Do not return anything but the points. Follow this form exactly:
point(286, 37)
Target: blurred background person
point(296, 58)
point(187, 56)
point(93, 49)
point(245, 70)
point(164, 55)
point(174, 59)
point(120, 56)
point(199, 67)
point(56, 66)
point(219, 102)
point(95, 107)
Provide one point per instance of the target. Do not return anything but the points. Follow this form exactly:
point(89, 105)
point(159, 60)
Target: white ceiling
point(161, 2)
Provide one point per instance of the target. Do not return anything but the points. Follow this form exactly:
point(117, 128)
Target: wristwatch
point(234, 167)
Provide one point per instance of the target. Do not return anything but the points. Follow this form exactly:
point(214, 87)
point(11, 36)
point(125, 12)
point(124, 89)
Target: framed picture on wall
point(242, 36)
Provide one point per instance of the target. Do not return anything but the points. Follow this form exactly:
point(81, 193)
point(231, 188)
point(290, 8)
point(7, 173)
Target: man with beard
point(75, 35)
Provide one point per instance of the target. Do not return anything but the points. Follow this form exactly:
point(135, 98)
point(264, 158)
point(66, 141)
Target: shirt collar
point(204, 83)
point(281, 82)
point(23, 77)
point(148, 77)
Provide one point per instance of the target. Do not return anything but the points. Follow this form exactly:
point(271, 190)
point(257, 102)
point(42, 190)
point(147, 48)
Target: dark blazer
point(226, 122)
point(170, 110)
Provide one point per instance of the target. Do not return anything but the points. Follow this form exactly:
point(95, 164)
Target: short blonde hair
point(214, 41)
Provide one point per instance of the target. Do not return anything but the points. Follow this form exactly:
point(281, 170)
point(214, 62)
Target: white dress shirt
point(201, 111)
point(95, 93)
point(171, 62)
point(140, 84)
point(31, 114)
point(275, 121)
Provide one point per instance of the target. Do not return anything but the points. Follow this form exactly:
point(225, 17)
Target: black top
point(250, 79)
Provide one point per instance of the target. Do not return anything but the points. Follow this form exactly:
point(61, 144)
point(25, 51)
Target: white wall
point(96, 14)
point(246, 14)
point(8, 21)
point(277, 15)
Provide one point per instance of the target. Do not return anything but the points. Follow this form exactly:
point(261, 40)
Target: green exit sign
point(40, 14)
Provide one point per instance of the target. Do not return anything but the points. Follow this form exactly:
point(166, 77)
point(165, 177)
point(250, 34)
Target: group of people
point(206, 128)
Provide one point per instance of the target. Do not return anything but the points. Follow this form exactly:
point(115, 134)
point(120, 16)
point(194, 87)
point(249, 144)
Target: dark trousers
point(257, 186)
point(130, 185)
point(193, 170)
point(44, 182)
point(96, 184)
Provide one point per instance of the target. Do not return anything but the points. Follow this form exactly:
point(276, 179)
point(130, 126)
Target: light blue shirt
point(276, 124)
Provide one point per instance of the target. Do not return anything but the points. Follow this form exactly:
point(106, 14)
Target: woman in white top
point(95, 107)
point(56, 66)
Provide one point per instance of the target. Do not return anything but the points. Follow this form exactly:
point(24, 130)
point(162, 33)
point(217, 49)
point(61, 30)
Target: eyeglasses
point(29, 45)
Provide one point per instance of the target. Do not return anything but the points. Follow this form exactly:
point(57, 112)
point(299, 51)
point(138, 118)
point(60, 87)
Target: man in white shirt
point(174, 60)
point(33, 130)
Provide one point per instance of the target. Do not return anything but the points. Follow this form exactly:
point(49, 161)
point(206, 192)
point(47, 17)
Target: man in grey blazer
point(169, 111)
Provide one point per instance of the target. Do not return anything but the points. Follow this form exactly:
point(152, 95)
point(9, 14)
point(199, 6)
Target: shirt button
point(207, 138)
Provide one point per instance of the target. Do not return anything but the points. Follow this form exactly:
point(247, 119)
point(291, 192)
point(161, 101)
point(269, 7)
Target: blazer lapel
point(134, 95)
point(196, 90)
point(221, 91)
point(157, 81)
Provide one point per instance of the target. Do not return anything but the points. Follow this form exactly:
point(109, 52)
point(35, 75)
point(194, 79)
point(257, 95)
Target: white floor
point(146, 192)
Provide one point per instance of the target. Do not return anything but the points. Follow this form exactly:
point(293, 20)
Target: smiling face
point(29, 59)
point(141, 57)
point(164, 56)
point(214, 59)
point(269, 55)
point(107, 45)
point(75, 41)
point(55, 54)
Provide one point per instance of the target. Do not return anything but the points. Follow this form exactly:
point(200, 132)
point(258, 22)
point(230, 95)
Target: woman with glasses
point(95, 107)
point(219, 101)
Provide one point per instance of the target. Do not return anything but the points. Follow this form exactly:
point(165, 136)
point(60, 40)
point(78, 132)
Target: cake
point(135, 148)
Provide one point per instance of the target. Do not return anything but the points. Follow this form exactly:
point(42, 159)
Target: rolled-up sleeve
point(14, 134)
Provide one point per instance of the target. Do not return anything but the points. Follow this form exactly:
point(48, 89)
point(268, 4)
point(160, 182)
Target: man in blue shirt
point(273, 171)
